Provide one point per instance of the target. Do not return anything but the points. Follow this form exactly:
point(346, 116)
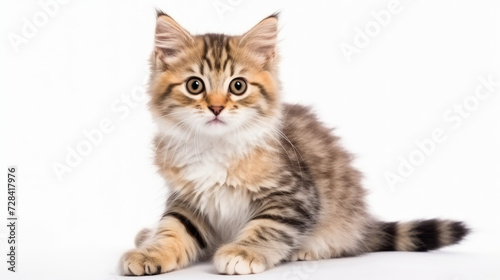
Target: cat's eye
point(238, 86)
point(195, 85)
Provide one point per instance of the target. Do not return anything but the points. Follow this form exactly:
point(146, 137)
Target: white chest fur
point(205, 161)
point(226, 207)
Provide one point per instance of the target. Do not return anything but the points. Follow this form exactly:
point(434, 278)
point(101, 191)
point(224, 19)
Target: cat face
point(214, 84)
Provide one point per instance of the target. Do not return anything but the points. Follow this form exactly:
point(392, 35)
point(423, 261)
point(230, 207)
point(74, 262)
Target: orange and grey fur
point(253, 181)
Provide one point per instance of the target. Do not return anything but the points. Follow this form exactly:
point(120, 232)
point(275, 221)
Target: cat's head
point(214, 84)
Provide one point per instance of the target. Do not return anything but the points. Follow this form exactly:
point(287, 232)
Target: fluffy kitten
point(254, 182)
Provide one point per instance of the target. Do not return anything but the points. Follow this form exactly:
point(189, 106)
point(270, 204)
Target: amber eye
point(238, 86)
point(195, 85)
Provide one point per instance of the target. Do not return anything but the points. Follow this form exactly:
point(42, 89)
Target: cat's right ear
point(170, 38)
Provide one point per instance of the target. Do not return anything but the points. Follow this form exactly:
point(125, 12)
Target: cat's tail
point(419, 236)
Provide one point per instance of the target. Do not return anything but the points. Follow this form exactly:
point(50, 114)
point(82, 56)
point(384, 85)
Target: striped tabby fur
point(254, 182)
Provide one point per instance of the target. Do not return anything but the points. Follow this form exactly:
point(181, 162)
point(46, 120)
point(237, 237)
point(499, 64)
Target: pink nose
point(216, 109)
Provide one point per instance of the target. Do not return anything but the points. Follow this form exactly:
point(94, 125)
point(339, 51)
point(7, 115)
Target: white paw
point(232, 259)
point(302, 256)
point(147, 262)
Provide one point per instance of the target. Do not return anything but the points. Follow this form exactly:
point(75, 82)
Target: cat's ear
point(261, 39)
point(170, 38)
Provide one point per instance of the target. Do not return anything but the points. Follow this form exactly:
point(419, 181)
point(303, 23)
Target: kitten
point(254, 182)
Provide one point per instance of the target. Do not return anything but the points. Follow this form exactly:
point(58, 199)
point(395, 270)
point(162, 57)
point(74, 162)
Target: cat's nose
point(216, 109)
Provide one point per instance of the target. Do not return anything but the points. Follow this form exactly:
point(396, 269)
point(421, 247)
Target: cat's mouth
point(215, 121)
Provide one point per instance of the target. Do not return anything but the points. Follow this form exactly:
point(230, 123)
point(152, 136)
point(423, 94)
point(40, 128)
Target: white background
point(72, 73)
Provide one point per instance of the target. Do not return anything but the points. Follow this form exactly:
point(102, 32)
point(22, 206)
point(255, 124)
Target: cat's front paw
point(147, 261)
point(237, 259)
point(302, 255)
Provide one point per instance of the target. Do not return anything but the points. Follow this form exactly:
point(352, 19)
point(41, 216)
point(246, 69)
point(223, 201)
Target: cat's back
point(300, 123)
point(302, 127)
point(316, 144)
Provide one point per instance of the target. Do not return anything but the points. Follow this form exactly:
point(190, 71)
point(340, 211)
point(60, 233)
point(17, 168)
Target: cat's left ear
point(261, 39)
point(170, 38)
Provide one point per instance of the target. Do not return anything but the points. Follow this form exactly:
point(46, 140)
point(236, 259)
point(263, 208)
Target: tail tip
point(458, 230)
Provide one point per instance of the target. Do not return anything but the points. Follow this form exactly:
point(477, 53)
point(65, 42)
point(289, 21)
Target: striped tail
point(419, 236)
